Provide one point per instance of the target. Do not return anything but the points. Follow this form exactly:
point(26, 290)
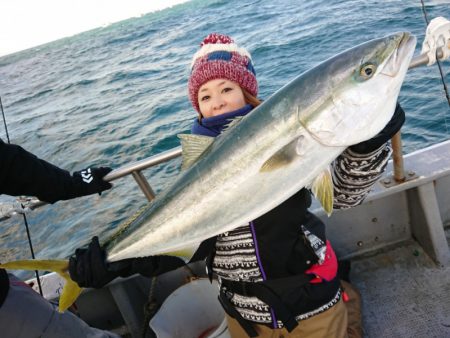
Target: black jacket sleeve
point(391, 128)
point(22, 173)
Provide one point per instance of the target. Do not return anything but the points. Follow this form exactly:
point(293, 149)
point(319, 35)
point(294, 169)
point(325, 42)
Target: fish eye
point(367, 70)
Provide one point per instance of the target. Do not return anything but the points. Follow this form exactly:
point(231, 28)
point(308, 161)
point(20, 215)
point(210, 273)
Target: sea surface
point(117, 94)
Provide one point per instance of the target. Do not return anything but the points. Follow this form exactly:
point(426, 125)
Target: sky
point(28, 23)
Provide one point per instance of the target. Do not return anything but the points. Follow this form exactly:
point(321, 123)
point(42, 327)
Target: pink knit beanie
point(220, 58)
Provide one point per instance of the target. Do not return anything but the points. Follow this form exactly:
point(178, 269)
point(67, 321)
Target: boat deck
point(404, 293)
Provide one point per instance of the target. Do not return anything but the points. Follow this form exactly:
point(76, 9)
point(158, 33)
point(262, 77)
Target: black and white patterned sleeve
point(354, 175)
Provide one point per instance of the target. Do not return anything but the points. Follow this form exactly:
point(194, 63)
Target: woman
point(277, 274)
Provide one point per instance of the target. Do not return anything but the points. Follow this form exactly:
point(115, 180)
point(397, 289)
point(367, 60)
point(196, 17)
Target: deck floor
point(404, 293)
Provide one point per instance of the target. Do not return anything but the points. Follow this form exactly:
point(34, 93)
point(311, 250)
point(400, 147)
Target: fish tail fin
point(70, 291)
point(69, 294)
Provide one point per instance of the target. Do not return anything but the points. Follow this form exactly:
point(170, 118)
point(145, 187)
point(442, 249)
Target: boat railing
point(135, 169)
point(24, 204)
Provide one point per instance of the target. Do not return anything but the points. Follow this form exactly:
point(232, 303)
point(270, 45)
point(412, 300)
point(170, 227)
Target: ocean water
point(117, 94)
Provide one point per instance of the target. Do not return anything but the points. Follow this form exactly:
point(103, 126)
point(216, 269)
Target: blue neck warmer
point(213, 126)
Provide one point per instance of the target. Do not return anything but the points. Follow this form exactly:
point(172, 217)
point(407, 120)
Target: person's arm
point(88, 266)
point(357, 169)
point(22, 173)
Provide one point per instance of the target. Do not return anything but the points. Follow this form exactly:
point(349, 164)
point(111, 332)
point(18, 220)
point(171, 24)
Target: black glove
point(391, 128)
point(90, 181)
point(89, 268)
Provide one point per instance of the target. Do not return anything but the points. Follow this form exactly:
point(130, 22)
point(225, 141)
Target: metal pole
point(422, 59)
point(143, 184)
point(396, 141)
point(133, 169)
point(143, 164)
point(399, 171)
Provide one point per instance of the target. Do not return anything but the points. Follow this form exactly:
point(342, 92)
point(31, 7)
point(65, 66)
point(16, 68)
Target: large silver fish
point(285, 144)
point(280, 147)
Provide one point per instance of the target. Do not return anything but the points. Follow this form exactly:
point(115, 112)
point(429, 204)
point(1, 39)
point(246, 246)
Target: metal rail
point(135, 169)
point(23, 204)
point(396, 141)
point(422, 59)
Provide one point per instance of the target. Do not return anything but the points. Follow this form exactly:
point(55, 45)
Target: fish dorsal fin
point(193, 146)
point(322, 188)
point(235, 121)
point(284, 156)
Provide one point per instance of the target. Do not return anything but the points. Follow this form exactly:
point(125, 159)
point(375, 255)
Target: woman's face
point(220, 96)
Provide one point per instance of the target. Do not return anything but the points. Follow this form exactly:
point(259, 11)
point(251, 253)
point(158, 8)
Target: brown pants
point(329, 324)
point(354, 329)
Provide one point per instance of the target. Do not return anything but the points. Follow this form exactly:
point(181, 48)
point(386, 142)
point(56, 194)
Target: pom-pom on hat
point(220, 57)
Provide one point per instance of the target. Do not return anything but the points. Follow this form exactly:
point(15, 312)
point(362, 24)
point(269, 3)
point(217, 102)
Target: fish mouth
point(403, 52)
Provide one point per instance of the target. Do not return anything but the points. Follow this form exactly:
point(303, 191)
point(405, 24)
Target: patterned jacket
point(274, 245)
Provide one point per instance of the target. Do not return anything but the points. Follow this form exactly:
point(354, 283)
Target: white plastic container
point(191, 311)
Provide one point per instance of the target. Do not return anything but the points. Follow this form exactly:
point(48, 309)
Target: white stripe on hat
point(214, 47)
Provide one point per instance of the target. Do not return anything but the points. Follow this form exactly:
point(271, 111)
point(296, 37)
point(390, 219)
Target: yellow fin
point(36, 264)
point(322, 188)
point(282, 157)
point(193, 146)
point(185, 254)
point(70, 291)
point(69, 294)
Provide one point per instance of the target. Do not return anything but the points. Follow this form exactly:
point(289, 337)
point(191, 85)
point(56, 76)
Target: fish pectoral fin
point(282, 157)
point(70, 291)
point(322, 188)
point(193, 146)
